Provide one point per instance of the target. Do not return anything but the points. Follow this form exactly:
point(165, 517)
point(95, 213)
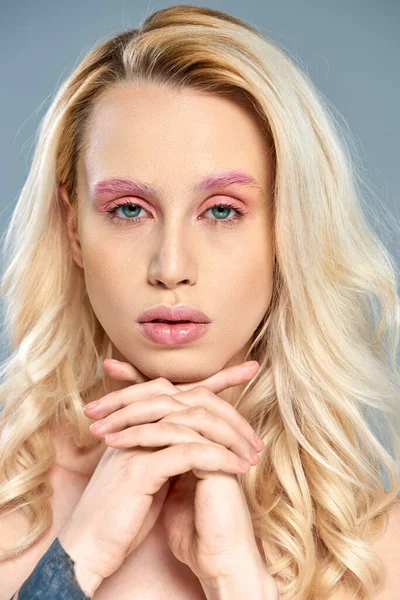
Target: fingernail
point(113, 362)
point(250, 364)
point(98, 424)
point(92, 404)
point(259, 441)
point(254, 456)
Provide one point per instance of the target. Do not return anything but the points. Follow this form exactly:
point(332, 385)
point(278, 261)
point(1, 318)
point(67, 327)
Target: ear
point(72, 226)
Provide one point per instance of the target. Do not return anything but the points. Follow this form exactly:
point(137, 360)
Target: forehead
point(161, 135)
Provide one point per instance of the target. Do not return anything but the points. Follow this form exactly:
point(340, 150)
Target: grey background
point(349, 48)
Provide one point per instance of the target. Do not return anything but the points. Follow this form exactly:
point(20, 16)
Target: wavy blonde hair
point(327, 365)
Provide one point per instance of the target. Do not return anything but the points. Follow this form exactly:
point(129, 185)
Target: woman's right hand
point(125, 494)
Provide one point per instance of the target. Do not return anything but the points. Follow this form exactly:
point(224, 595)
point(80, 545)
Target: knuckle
point(189, 450)
point(170, 428)
point(203, 391)
point(201, 412)
point(165, 401)
point(164, 384)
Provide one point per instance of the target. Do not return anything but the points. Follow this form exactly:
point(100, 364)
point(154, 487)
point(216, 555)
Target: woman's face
point(185, 249)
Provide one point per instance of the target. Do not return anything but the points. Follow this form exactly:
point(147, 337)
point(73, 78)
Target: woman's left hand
point(205, 514)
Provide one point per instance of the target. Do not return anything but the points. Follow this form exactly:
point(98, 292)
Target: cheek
point(248, 270)
point(257, 276)
point(252, 289)
point(244, 289)
point(110, 277)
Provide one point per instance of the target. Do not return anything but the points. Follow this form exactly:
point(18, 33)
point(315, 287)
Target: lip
point(181, 312)
point(167, 333)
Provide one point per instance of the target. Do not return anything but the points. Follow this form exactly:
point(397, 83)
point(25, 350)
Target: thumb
point(123, 371)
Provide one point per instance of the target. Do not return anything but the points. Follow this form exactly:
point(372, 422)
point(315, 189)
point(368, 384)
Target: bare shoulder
point(387, 547)
point(15, 571)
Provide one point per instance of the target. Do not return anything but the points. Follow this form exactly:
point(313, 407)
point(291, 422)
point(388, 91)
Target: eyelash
point(229, 222)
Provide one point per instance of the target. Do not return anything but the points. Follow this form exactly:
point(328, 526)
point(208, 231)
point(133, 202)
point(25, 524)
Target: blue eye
point(133, 208)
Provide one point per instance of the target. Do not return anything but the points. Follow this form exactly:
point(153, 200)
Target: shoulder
point(67, 489)
point(14, 571)
point(387, 548)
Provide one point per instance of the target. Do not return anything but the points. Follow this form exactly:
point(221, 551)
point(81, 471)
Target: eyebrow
point(135, 186)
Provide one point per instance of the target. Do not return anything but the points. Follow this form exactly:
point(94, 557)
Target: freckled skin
point(172, 140)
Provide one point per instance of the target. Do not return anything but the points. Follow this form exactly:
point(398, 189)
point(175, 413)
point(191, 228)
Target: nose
point(173, 263)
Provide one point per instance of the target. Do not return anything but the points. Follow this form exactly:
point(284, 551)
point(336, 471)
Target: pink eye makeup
point(135, 220)
point(129, 189)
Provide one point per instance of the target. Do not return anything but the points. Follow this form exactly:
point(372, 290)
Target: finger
point(228, 377)
point(113, 401)
point(117, 400)
point(181, 458)
point(202, 399)
point(197, 420)
point(161, 406)
point(123, 371)
point(137, 412)
point(164, 434)
point(154, 435)
point(213, 428)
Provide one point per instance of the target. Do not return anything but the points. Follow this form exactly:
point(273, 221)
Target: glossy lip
point(181, 312)
point(168, 333)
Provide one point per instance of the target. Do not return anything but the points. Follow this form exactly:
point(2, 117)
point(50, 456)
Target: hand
point(207, 522)
point(126, 493)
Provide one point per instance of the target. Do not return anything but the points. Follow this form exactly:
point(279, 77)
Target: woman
point(156, 132)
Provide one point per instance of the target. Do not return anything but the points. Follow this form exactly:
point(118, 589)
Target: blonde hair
point(327, 370)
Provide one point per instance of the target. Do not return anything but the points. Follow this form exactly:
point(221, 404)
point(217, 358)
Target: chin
point(187, 377)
